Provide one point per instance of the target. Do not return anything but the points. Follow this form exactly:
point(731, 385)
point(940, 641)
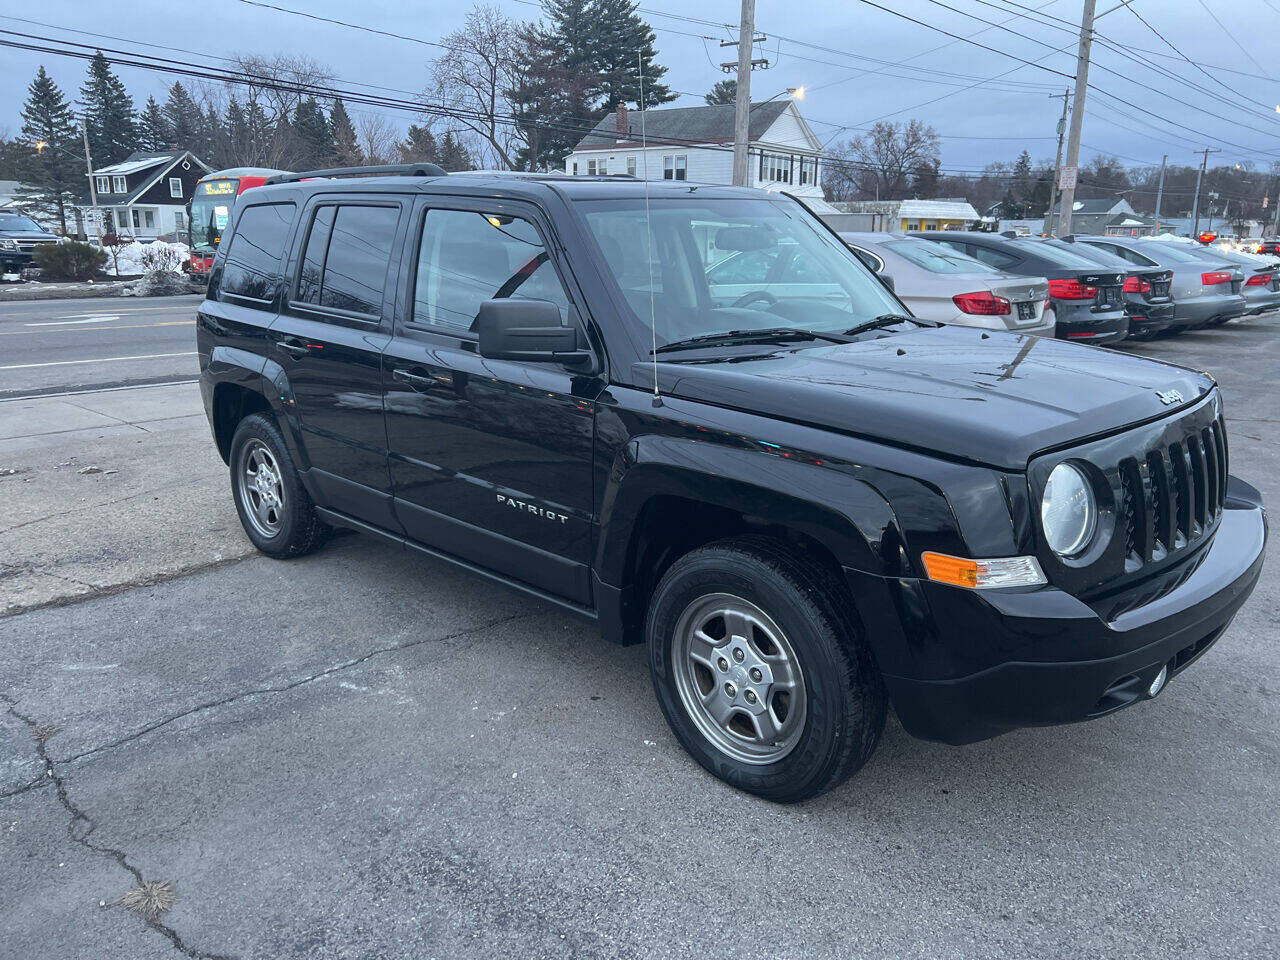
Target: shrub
point(160, 258)
point(69, 261)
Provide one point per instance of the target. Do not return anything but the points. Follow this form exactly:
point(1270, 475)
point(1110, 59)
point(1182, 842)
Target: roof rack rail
point(388, 169)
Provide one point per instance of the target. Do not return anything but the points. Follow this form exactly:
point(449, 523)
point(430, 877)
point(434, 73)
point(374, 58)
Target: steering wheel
point(753, 296)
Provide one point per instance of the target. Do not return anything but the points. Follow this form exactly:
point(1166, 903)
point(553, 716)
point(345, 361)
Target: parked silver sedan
point(941, 284)
point(1206, 288)
point(1262, 279)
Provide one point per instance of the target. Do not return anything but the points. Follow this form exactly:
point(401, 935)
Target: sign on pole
point(1067, 178)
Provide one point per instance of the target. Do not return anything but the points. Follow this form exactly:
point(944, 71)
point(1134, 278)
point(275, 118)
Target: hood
point(27, 235)
point(988, 397)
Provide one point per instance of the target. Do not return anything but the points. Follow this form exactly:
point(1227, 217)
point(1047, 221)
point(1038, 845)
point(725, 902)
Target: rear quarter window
point(252, 266)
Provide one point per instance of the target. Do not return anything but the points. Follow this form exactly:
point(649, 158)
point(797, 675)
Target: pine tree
point(315, 138)
point(419, 146)
point(622, 41)
point(723, 92)
point(453, 154)
point(346, 150)
point(566, 51)
point(154, 133)
point(184, 117)
point(238, 138)
point(52, 175)
point(108, 113)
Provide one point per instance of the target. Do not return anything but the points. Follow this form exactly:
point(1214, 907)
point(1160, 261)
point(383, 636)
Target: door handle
point(413, 379)
point(294, 348)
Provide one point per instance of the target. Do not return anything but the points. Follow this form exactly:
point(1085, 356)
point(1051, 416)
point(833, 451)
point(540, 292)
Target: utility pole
point(93, 188)
point(746, 44)
point(1195, 205)
point(1275, 231)
point(1057, 163)
point(1160, 192)
point(1071, 172)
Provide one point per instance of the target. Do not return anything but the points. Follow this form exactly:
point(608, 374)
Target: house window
point(103, 184)
point(118, 185)
point(675, 167)
point(137, 219)
point(179, 221)
point(175, 186)
point(575, 168)
point(592, 167)
point(776, 169)
point(631, 166)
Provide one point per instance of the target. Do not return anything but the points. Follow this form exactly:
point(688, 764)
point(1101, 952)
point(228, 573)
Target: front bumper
point(1068, 660)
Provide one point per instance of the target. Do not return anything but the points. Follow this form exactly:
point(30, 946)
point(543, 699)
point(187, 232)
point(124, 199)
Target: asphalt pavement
point(365, 754)
point(51, 346)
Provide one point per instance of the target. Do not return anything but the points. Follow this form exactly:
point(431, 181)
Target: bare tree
point(881, 163)
point(281, 81)
point(377, 137)
point(476, 76)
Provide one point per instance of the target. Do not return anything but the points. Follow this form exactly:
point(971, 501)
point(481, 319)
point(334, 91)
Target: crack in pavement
point(292, 684)
point(39, 781)
point(94, 593)
point(80, 827)
point(104, 503)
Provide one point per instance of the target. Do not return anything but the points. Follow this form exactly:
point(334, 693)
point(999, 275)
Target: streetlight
point(40, 145)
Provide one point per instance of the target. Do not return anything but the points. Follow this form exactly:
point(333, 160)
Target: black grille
point(1172, 495)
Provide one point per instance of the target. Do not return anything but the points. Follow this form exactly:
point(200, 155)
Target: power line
point(1232, 38)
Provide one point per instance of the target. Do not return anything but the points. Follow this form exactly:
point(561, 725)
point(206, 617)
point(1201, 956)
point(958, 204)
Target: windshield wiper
point(763, 335)
point(885, 320)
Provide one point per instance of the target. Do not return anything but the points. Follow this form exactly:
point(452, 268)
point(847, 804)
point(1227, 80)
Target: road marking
point(123, 326)
point(67, 323)
point(68, 363)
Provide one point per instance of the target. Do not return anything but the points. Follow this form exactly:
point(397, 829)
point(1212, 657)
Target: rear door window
point(992, 258)
point(466, 257)
point(252, 269)
point(347, 256)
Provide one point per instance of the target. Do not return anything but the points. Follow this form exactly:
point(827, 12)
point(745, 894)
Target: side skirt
point(336, 519)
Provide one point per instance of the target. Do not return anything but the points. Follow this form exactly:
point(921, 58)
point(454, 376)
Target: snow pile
point(132, 258)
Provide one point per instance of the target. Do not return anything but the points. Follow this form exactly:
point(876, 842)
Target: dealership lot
point(363, 753)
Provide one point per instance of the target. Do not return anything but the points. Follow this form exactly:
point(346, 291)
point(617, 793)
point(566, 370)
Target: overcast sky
point(859, 63)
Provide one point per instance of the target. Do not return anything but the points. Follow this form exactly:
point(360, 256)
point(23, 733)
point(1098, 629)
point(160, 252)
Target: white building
point(696, 144)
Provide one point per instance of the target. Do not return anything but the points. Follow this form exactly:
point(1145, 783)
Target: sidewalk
point(108, 490)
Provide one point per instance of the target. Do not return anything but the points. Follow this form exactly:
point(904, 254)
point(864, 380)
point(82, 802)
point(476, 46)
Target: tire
point(819, 706)
point(276, 511)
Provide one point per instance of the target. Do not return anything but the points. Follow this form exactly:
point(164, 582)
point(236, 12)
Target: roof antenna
point(648, 234)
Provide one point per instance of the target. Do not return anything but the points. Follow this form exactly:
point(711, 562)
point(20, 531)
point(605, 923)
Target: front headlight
point(8, 244)
point(1068, 510)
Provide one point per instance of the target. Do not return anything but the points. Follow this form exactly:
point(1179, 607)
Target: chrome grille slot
point(1211, 467)
point(1159, 503)
point(1199, 482)
point(1133, 509)
point(1180, 495)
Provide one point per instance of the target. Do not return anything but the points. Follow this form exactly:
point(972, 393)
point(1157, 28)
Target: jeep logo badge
point(1169, 396)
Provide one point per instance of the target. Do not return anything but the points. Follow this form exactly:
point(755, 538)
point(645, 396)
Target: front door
point(329, 340)
point(490, 460)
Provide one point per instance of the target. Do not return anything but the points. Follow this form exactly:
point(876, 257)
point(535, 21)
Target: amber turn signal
point(983, 574)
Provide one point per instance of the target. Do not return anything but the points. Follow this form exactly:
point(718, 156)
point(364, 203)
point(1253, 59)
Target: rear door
point(490, 459)
point(329, 339)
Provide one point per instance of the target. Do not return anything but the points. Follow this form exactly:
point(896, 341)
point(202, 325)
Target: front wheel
point(761, 670)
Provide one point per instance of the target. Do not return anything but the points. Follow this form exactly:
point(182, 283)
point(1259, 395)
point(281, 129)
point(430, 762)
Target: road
point(365, 754)
point(50, 346)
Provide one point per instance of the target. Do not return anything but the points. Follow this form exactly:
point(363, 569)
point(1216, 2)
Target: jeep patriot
point(809, 504)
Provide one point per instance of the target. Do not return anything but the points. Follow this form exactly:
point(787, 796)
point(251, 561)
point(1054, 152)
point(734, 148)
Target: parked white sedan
point(941, 284)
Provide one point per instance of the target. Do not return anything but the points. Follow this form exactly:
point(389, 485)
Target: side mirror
point(527, 330)
point(887, 281)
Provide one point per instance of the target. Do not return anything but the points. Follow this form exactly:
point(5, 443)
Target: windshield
point(20, 223)
point(732, 264)
point(936, 258)
point(210, 210)
point(1056, 255)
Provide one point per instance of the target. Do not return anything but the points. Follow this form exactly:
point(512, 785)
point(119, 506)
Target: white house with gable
point(696, 144)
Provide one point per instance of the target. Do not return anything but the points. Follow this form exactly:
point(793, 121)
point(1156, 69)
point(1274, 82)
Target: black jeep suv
point(809, 504)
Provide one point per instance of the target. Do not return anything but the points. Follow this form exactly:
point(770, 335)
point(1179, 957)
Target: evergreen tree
point(154, 133)
point(52, 174)
point(238, 137)
point(453, 154)
point(346, 150)
point(566, 53)
point(1022, 185)
point(315, 138)
point(184, 117)
point(419, 146)
point(622, 40)
point(108, 114)
point(723, 92)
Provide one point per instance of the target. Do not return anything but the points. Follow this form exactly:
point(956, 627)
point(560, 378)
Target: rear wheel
point(761, 670)
point(275, 509)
